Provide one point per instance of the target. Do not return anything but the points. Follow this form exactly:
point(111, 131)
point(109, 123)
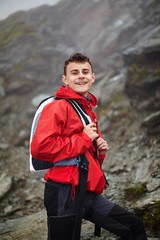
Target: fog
point(8, 7)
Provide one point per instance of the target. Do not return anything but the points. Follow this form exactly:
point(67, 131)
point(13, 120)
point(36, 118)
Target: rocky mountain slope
point(123, 40)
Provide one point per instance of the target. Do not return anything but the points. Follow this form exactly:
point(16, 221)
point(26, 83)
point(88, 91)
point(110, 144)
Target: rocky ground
point(125, 49)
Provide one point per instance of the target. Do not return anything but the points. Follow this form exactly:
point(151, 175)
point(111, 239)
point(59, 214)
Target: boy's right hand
point(91, 131)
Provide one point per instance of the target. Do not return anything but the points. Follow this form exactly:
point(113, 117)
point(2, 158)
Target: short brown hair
point(76, 57)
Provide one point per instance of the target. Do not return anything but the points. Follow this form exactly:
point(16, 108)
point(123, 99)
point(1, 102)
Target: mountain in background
point(122, 38)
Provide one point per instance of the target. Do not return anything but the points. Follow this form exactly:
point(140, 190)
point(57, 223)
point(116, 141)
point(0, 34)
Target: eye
point(74, 73)
point(85, 71)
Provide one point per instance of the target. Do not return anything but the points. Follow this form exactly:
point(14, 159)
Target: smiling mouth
point(81, 83)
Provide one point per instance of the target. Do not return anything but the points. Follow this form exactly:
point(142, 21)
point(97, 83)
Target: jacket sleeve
point(50, 143)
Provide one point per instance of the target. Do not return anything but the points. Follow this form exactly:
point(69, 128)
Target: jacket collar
point(67, 92)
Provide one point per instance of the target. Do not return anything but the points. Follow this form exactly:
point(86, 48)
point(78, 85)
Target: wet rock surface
point(123, 42)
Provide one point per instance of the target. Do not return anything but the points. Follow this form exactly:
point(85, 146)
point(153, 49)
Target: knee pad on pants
point(61, 227)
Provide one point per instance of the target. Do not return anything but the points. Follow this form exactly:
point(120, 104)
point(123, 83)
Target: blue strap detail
point(68, 162)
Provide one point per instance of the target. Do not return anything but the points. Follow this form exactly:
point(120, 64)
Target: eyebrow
point(84, 69)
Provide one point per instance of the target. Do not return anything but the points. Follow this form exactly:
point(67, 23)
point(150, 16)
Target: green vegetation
point(135, 192)
point(124, 111)
point(16, 68)
point(35, 59)
point(56, 59)
point(151, 217)
point(100, 111)
point(156, 71)
point(119, 98)
point(139, 74)
point(13, 31)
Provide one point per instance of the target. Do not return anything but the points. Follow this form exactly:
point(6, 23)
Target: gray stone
point(30, 227)
point(145, 203)
point(2, 89)
point(152, 119)
point(153, 185)
point(36, 100)
point(4, 146)
point(5, 185)
point(142, 171)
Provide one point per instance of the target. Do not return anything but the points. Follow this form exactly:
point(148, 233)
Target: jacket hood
point(67, 92)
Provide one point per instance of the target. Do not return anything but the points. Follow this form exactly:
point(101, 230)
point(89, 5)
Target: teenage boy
point(61, 135)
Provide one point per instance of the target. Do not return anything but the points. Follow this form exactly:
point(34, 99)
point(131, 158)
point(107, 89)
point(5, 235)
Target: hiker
point(61, 135)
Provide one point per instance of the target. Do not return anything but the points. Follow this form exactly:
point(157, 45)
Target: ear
point(64, 79)
point(93, 78)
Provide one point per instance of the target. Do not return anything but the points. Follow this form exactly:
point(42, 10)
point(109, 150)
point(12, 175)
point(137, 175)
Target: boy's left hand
point(102, 146)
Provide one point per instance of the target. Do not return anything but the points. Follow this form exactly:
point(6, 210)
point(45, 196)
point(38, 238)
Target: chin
point(84, 94)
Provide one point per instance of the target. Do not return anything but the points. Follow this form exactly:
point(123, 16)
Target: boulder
point(5, 185)
point(32, 227)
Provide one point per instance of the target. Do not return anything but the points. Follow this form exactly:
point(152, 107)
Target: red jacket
point(59, 135)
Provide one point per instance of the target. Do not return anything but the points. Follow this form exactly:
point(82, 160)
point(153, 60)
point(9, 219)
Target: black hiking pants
point(97, 209)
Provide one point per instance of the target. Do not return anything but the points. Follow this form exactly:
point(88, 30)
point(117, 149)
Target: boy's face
point(79, 77)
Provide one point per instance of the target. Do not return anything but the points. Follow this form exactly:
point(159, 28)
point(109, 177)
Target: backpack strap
point(84, 117)
point(83, 175)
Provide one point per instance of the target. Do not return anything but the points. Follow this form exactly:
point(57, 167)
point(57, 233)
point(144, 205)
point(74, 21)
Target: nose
point(81, 75)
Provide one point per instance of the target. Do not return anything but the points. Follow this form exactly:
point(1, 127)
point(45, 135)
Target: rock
point(142, 171)
point(8, 209)
point(2, 89)
point(153, 185)
point(36, 100)
point(30, 227)
point(5, 108)
point(19, 87)
point(22, 137)
point(143, 204)
point(4, 146)
point(147, 200)
point(30, 197)
point(152, 120)
point(103, 123)
point(105, 92)
point(137, 54)
point(5, 185)
point(118, 169)
point(151, 46)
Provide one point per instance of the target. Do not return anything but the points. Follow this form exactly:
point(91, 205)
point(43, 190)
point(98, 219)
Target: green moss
point(135, 192)
point(118, 98)
point(56, 59)
point(156, 71)
point(13, 31)
point(34, 59)
point(102, 113)
point(125, 112)
point(35, 36)
point(151, 217)
point(16, 68)
point(138, 74)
